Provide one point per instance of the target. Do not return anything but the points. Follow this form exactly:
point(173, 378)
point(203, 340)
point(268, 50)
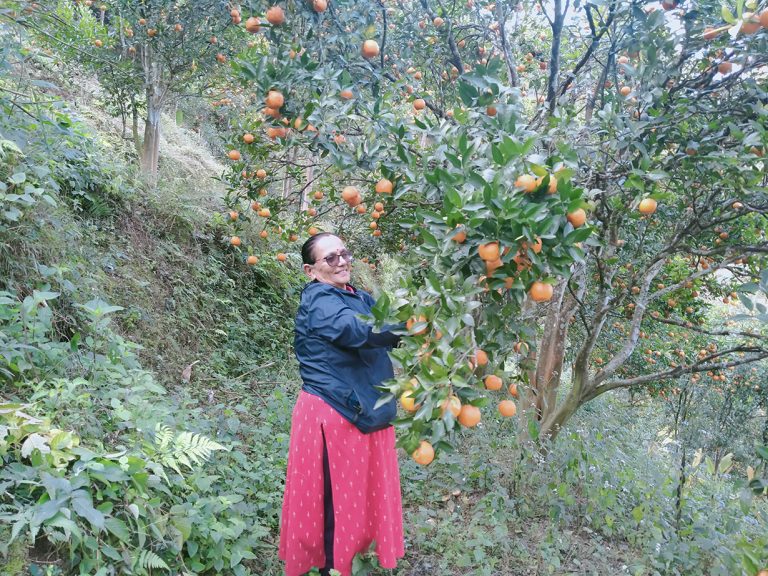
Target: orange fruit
point(492, 265)
point(377, 232)
point(312, 231)
point(384, 186)
point(625, 90)
point(469, 416)
point(411, 321)
point(98, 43)
point(252, 260)
point(481, 358)
point(347, 94)
point(424, 454)
point(491, 110)
point(513, 390)
point(493, 382)
point(235, 241)
point(221, 58)
point(577, 218)
point(275, 15)
point(370, 49)
point(408, 402)
point(647, 206)
point(320, 5)
point(527, 182)
point(507, 408)
point(750, 23)
point(361, 209)
point(540, 292)
point(248, 138)
point(373, 225)
point(378, 207)
point(552, 188)
point(274, 100)
point(233, 215)
point(263, 233)
point(234, 155)
point(489, 251)
point(252, 25)
point(419, 104)
point(460, 236)
point(724, 67)
point(453, 404)
point(351, 195)
point(261, 173)
point(438, 22)
point(764, 24)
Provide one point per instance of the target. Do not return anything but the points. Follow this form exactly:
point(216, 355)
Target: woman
point(342, 488)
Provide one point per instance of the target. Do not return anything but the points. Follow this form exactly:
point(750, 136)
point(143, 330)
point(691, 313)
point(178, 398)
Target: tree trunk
point(137, 144)
point(151, 148)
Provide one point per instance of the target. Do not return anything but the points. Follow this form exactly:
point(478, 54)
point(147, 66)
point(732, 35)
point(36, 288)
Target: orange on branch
point(248, 138)
point(577, 218)
point(346, 94)
point(412, 321)
point(481, 357)
point(424, 454)
point(408, 402)
point(647, 206)
point(507, 408)
point(493, 382)
point(281, 257)
point(234, 155)
point(540, 292)
point(275, 15)
point(384, 186)
point(274, 99)
point(370, 49)
point(235, 241)
point(252, 25)
point(469, 416)
point(527, 182)
point(452, 404)
point(252, 260)
point(489, 251)
point(419, 104)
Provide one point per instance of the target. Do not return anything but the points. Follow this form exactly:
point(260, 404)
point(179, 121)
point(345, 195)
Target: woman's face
point(321, 270)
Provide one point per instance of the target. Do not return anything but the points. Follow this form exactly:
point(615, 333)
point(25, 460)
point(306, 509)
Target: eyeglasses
point(333, 259)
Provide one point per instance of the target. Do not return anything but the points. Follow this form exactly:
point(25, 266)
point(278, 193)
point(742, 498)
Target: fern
point(185, 449)
point(148, 559)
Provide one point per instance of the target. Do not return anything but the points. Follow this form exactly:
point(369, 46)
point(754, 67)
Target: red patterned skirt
point(364, 496)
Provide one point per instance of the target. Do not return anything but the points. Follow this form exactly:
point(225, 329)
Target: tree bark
point(151, 148)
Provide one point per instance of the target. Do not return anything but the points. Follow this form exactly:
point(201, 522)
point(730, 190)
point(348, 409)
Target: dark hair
point(308, 249)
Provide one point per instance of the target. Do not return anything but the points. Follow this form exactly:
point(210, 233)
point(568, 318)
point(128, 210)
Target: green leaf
point(119, 529)
point(727, 15)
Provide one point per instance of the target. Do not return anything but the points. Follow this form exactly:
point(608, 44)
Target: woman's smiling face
point(323, 251)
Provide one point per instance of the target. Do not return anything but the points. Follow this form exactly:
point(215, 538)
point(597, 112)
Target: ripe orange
point(361, 209)
point(764, 571)
point(264, 213)
point(384, 186)
point(424, 454)
point(234, 155)
point(724, 67)
point(492, 265)
point(507, 408)
point(491, 110)
point(235, 241)
point(252, 260)
point(438, 22)
point(375, 215)
point(419, 104)
point(411, 321)
point(493, 382)
point(513, 390)
point(347, 94)
point(370, 49)
point(351, 195)
point(281, 257)
point(737, 205)
point(453, 404)
point(469, 416)
point(275, 15)
point(320, 5)
point(647, 206)
point(233, 215)
point(750, 23)
point(98, 43)
point(248, 138)
point(252, 25)
point(318, 195)
point(261, 173)
point(460, 236)
point(379, 207)
point(312, 231)
point(552, 188)
point(373, 225)
point(221, 58)
point(481, 358)
point(489, 251)
point(263, 233)
point(540, 292)
point(377, 232)
point(625, 90)
point(764, 24)
point(577, 218)
point(408, 402)
point(311, 212)
point(274, 100)
point(527, 182)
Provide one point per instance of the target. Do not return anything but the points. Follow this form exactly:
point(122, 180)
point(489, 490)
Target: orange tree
point(628, 197)
point(146, 55)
